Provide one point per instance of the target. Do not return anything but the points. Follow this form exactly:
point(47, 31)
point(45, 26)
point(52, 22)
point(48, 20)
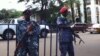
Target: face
point(65, 14)
point(27, 17)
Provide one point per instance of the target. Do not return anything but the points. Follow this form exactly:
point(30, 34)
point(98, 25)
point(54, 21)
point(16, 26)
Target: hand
point(79, 38)
point(29, 28)
point(81, 41)
point(74, 40)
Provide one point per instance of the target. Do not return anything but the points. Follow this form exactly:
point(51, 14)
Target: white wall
point(99, 14)
point(93, 12)
point(82, 11)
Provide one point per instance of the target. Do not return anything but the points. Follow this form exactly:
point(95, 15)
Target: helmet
point(64, 10)
point(27, 12)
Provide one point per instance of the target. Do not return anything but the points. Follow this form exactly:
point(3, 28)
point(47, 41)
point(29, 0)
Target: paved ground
point(90, 48)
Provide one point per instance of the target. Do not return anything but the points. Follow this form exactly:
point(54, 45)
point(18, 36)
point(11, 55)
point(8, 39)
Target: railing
point(48, 47)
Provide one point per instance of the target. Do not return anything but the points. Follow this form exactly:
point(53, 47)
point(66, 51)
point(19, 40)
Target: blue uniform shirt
point(22, 27)
point(65, 34)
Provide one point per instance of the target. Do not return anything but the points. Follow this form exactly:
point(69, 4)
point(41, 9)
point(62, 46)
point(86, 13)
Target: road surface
point(90, 48)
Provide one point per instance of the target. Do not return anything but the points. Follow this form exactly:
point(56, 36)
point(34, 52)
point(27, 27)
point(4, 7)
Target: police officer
point(31, 28)
point(65, 33)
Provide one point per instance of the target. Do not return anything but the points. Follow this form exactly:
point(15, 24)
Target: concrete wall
point(82, 11)
point(93, 11)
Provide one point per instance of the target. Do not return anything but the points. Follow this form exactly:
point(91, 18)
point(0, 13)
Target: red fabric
point(63, 10)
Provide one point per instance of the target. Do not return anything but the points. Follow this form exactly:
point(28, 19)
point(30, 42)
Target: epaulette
point(34, 23)
point(20, 21)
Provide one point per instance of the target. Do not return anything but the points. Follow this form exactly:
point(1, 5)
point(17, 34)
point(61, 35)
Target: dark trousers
point(66, 47)
point(30, 51)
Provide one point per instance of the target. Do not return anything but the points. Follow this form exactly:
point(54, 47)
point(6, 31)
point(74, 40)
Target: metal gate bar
point(44, 46)
point(45, 42)
point(56, 40)
point(8, 42)
point(51, 31)
point(51, 41)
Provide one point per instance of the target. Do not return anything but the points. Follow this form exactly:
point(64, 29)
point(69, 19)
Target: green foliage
point(5, 14)
point(52, 9)
point(14, 14)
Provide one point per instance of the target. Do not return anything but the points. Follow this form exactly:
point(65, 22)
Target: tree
point(72, 9)
point(6, 14)
point(14, 14)
point(85, 13)
point(47, 6)
point(51, 8)
point(79, 12)
point(71, 4)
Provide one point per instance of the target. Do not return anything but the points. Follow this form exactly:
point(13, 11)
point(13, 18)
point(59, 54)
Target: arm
point(62, 23)
point(76, 36)
point(20, 38)
point(37, 31)
point(20, 43)
point(64, 26)
point(18, 33)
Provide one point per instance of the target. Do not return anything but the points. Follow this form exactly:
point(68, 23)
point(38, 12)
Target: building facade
point(93, 11)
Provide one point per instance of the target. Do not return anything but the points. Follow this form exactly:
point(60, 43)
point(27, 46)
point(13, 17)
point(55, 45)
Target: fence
point(47, 46)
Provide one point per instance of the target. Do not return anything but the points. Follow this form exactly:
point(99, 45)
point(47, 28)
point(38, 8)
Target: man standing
point(65, 33)
point(28, 36)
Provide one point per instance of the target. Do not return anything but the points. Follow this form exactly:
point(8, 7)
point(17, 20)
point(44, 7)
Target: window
point(88, 15)
point(12, 22)
point(97, 14)
point(88, 2)
point(97, 1)
point(97, 10)
point(88, 11)
point(88, 19)
point(98, 19)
